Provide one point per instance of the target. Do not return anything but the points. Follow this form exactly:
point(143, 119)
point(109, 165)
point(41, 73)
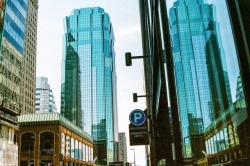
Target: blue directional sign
point(137, 117)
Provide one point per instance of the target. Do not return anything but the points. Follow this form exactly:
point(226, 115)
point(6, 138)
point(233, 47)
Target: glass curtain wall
point(88, 89)
point(207, 76)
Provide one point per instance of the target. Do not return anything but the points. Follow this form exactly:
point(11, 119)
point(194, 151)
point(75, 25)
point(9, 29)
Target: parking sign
point(137, 117)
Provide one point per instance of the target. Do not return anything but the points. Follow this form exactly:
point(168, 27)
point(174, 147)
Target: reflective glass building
point(202, 82)
point(88, 92)
point(15, 23)
point(12, 38)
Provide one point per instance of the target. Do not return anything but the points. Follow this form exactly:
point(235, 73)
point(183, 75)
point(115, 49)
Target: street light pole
point(134, 156)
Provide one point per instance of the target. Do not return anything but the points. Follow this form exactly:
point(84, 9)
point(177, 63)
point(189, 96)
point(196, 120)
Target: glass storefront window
point(231, 135)
point(67, 146)
point(87, 153)
point(236, 138)
point(91, 154)
point(208, 147)
point(218, 142)
point(27, 144)
point(226, 137)
point(62, 143)
point(215, 144)
point(222, 140)
point(80, 151)
point(72, 148)
point(76, 150)
point(84, 152)
point(47, 144)
point(212, 145)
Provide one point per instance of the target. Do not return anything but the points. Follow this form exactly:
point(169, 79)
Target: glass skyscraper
point(202, 83)
point(88, 89)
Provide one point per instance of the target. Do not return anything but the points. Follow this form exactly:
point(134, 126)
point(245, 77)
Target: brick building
point(50, 139)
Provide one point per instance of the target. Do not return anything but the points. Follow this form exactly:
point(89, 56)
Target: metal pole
point(134, 156)
point(171, 83)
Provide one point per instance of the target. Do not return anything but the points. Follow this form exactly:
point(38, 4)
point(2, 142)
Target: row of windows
point(222, 140)
point(75, 149)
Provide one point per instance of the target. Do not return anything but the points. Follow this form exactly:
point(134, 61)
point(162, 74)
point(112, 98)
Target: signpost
point(138, 128)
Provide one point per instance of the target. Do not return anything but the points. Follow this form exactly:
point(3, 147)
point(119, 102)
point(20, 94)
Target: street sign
point(138, 128)
point(138, 135)
point(137, 117)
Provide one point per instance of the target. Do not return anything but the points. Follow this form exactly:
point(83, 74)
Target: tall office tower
point(201, 75)
point(13, 31)
point(45, 101)
point(28, 84)
point(122, 147)
point(88, 89)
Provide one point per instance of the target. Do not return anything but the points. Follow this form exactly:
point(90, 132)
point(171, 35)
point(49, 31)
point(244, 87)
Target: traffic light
point(60, 157)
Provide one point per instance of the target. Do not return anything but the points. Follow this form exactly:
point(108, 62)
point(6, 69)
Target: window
point(47, 144)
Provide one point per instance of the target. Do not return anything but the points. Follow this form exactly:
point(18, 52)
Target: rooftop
point(52, 118)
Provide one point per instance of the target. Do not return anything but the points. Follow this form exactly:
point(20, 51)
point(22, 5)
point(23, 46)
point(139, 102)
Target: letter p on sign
point(137, 117)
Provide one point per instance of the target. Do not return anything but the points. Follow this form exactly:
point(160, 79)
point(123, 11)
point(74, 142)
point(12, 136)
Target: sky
point(124, 15)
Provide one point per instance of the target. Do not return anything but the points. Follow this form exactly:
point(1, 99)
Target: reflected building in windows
point(239, 17)
point(202, 83)
point(45, 101)
point(88, 89)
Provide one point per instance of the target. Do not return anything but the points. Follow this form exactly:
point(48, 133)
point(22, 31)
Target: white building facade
point(45, 101)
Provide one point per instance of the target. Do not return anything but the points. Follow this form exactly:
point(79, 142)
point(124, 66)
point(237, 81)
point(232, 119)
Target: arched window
point(231, 135)
point(47, 144)
point(76, 149)
point(27, 144)
point(80, 151)
point(83, 152)
point(72, 142)
point(63, 143)
point(67, 146)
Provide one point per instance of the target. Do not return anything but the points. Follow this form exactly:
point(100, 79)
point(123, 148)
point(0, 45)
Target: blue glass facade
point(15, 23)
point(88, 31)
point(203, 89)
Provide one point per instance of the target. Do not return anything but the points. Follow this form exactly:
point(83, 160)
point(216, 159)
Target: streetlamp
point(128, 58)
point(134, 156)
